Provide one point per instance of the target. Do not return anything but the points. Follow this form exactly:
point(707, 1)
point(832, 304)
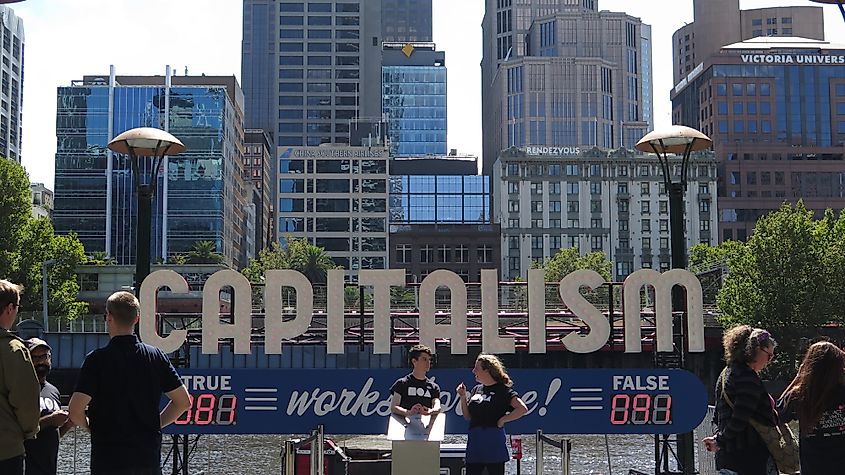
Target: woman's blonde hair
point(494, 366)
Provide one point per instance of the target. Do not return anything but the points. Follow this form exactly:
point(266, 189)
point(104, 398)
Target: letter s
point(599, 325)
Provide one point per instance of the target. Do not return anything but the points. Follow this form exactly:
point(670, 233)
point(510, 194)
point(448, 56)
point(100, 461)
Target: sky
point(65, 40)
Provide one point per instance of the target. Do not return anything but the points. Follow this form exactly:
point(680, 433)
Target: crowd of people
point(119, 389)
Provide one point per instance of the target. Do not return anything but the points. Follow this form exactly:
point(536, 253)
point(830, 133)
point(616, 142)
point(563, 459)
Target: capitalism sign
point(278, 330)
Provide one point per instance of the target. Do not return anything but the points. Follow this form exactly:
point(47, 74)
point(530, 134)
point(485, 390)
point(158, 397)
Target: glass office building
point(414, 99)
point(200, 195)
point(444, 199)
point(777, 119)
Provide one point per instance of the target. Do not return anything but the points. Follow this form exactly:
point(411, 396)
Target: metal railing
point(564, 445)
point(316, 440)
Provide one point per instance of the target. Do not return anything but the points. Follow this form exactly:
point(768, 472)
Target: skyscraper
point(414, 98)
point(310, 67)
point(11, 88)
point(590, 75)
point(775, 108)
point(582, 81)
point(721, 22)
point(406, 21)
point(200, 192)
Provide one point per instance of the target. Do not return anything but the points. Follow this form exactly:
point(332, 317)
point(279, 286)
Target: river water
point(260, 454)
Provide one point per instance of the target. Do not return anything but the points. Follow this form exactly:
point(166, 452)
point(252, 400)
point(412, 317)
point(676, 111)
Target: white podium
point(416, 443)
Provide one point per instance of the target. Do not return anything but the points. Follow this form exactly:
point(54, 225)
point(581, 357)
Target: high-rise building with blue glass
point(414, 98)
point(775, 109)
point(200, 194)
point(440, 218)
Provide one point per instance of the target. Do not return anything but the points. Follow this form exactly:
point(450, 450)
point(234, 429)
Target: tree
point(568, 260)
point(15, 211)
point(27, 242)
point(788, 278)
point(299, 255)
point(204, 252)
point(100, 258)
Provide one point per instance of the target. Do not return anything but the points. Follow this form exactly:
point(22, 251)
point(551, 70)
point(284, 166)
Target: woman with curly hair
point(488, 407)
point(816, 397)
point(740, 397)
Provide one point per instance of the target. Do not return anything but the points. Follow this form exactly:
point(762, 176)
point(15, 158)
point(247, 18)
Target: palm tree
point(313, 263)
point(99, 258)
point(204, 252)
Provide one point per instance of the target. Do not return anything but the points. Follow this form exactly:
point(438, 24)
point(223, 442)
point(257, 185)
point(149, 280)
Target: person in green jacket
point(19, 387)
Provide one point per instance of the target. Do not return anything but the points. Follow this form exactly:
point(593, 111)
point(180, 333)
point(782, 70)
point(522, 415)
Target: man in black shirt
point(415, 393)
point(122, 385)
point(42, 452)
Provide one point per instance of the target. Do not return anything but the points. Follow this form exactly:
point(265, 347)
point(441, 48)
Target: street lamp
point(680, 141)
point(833, 2)
point(146, 148)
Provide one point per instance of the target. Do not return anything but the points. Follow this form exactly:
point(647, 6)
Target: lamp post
point(834, 2)
point(146, 148)
point(680, 141)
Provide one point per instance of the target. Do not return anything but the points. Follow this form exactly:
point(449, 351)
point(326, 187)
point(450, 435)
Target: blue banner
point(560, 401)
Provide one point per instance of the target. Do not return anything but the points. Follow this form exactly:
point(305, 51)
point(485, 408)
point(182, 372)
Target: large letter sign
point(277, 331)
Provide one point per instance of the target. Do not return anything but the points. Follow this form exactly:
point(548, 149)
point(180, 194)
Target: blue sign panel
point(560, 401)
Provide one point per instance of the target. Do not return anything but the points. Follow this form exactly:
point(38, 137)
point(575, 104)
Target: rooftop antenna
point(186, 70)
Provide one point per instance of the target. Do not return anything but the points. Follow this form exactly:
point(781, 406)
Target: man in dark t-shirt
point(42, 452)
point(121, 384)
point(415, 393)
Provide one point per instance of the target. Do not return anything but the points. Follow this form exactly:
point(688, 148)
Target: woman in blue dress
point(488, 407)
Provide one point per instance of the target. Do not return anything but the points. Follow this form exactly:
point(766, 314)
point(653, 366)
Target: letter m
point(663, 284)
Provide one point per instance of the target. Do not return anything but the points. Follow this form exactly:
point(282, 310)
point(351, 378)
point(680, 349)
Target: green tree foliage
point(15, 211)
point(299, 255)
point(204, 252)
point(569, 260)
point(789, 278)
point(100, 258)
point(27, 242)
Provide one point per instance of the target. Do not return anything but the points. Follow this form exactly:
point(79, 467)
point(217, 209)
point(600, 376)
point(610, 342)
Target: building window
point(704, 225)
point(513, 187)
point(554, 206)
point(595, 206)
point(646, 243)
point(462, 253)
point(664, 243)
point(573, 242)
point(485, 254)
point(536, 187)
point(426, 254)
point(536, 206)
point(537, 243)
point(645, 207)
point(554, 244)
point(645, 188)
point(403, 253)
point(554, 188)
point(513, 242)
point(664, 225)
point(704, 206)
point(596, 243)
point(622, 187)
point(443, 253)
point(513, 223)
point(513, 206)
point(537, 223)
point(664, 207)
point(513, 169)
point(623, 206)
point(595, 188)
point(596, 223)
point(623, 224)
point(554, 223)
point(646, 225)
point(573, 223)
point(572, 170)
point(572, 188)
point(513, 263)
point(703, 189)
point(572, 206)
